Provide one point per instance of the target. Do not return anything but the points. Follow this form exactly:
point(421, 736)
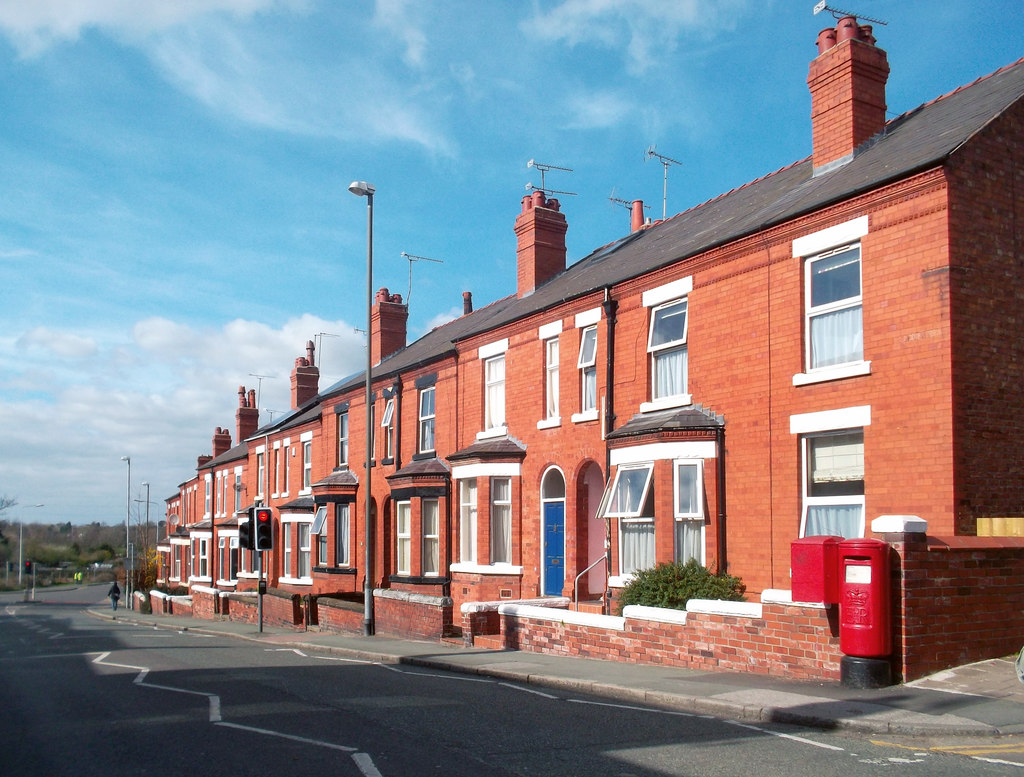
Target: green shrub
point(673, 585)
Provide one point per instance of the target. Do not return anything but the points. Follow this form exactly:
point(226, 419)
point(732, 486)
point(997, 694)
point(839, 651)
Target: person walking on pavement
point(114, 593)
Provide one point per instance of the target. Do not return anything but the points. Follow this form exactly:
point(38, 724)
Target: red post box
point(865, 622)
point(814, 566)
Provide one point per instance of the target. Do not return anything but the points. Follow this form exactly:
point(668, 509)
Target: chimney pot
point(637, 215)
point(467, 302)
point(847, 29)
point(826, 39)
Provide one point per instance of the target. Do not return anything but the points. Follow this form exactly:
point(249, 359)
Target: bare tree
point(7, 502)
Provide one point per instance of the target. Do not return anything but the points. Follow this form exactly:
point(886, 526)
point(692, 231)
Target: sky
point(174, 208)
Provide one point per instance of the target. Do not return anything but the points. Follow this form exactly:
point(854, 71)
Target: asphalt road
point(84, 696)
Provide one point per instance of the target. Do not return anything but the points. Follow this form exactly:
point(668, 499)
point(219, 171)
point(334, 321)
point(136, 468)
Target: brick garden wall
point(962, 601)
point(774, 637)
point(411, 615)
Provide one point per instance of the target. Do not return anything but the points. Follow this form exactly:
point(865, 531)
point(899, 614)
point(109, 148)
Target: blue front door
point(554, 548)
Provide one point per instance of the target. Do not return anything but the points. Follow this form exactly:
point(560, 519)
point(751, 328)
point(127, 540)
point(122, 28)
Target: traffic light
point(245, 531)
point(264, 528)
point(28, 567)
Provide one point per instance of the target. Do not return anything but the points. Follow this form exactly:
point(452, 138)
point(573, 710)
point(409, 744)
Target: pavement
point(983, 699)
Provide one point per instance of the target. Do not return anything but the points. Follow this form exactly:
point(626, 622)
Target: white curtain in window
point(842, 520)
point(637, 545)
point(501, 521)
point(304, 550)
point(589, 388)
point(688, 540)
point(670, 373)
point(837, 338)
point(430, 537)
point(495, 393)
point(341, 539)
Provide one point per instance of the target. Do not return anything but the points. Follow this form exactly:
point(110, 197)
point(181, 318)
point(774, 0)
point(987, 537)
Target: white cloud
point(156, 394)
point(597, 110)
point(644, 29)
point(63, 344)
point(398, 18)
point(35, 26)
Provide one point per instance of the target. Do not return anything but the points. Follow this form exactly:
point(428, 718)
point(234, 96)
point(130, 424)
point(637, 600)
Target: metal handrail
point(576, 582)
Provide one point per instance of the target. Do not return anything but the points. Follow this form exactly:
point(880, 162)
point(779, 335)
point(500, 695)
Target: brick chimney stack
point(540, 249)
point(247, 419)
point(221, 441)
point(388, 321)
point(847, 82)
point(305, 378)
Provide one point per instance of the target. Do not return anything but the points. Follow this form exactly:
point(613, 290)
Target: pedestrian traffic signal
point(264, 528)
point(28, 567)
point(245, 531)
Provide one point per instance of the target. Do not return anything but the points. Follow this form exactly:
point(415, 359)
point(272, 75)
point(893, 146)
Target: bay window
point(630, 499)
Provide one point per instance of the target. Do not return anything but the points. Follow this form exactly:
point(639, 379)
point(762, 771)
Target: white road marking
point(529, 690)
point(781, 735)
point(363, 761)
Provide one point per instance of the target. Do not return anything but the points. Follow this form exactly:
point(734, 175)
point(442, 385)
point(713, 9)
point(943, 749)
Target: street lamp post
point(127, 541)
point(367, 190)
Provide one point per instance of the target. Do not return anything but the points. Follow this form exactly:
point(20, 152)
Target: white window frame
point(307, 465)
point(551, 398)
point(494, 393)
point(304, 550)
point(692, 519)
point(832, 308)
point(238, 490)
point(260, 472)
point(427, 417)
point(286, 549)
point(387, 424)
point(845, 500)
point(319, 529)
point(287, 471)
point(500, 516)
point(343, 439)
point(467, 521)
point(629, 516)
point(208, 498)
point(661, 351)
point(430, 554)
point(587, 364)
point(403, 537)
point(342, 534)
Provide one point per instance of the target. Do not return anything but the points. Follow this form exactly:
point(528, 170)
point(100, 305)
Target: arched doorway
point(552, 499)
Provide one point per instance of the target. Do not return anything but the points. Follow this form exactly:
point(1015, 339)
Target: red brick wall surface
point(787, 640)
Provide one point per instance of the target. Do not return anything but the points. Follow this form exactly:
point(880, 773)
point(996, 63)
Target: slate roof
point(340, 477)
point(422, 468)
point(491, 448)
point(676, 419)
point(918, 140)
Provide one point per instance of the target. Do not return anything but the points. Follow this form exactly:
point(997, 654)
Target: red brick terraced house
point(833, 349)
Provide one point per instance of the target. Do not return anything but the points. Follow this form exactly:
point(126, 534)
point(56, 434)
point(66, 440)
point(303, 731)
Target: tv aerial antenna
point(665, 162)
point(839, 14)
point(543, 169)
point(318, 340)
point(627, 204)
point(259, 385)
point(413, 258)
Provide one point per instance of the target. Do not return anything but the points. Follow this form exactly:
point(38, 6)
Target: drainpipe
point(723, 564)
point(610, 306)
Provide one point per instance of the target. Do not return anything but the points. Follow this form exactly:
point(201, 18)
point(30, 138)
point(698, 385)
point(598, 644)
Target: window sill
point(549, 423)
point(832, 373)
point(589, 415)
point(486, 569)
point(297, 580)
point(666, 403)
point(487, 434)
point(227, 582)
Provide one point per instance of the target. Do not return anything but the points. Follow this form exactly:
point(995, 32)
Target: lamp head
point(362, 188)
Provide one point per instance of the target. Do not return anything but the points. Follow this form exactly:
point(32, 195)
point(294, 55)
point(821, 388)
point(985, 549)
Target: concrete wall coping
point(410, 596)
point(782, 596)
point(558, 602)
point(639, 612)
point(610, 622)
point(899, 524)
point(716, 607)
